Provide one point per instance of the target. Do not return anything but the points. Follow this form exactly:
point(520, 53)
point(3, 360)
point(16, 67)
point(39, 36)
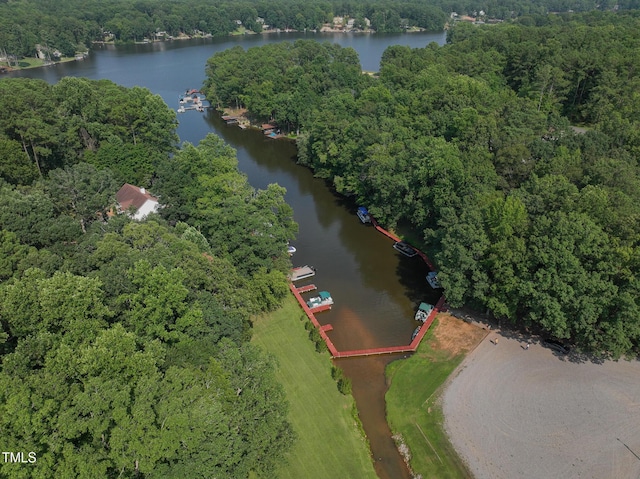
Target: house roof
point(130, 195)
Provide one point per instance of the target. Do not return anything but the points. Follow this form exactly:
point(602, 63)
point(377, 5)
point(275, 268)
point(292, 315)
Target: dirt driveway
point(516, 413)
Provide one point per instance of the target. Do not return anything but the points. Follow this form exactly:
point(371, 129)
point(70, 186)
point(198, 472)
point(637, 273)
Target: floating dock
point(323, 329)
point(302, 272)
point(320, 309)
point(307, 288)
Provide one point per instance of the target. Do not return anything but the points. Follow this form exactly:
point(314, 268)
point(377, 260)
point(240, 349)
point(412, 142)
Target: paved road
point(516, 413)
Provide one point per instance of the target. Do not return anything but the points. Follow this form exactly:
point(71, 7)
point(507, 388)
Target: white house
point(137, 201)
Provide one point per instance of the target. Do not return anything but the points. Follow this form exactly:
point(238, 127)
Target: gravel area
point(512, 412)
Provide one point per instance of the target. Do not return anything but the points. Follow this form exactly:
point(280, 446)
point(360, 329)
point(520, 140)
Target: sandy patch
point(530, 413)
point(455, 335)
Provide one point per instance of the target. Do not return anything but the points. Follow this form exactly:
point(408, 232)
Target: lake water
point(376, 290)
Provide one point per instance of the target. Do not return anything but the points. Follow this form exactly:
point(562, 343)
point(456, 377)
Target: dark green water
point(376, 290)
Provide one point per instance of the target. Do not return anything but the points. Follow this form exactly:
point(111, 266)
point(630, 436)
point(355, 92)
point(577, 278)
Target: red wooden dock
point(307, 288)
point(320, 309)
point(332, 349)
point(410, 348)
point(413, 346)
point(323, 329)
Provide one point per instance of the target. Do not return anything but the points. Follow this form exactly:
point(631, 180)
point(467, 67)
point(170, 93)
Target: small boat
point(363, 214)
point(423, 312)
point(415, 333)
point(181, 110)
point(432, 279)
point(405, 248)
point(323, 299)
point(291, 250)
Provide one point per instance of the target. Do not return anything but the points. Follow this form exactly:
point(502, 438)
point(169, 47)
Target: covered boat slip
point(323, 299)
point(424, 310)
point(302, 272)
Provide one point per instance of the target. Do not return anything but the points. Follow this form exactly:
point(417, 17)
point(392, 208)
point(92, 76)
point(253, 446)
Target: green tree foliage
point(60, 125)
point(123, 345)
point(203, 187)
point(281, 81)
point(82, 192)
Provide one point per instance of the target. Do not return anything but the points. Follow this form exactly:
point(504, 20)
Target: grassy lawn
point(413, 409)
point(329, 443)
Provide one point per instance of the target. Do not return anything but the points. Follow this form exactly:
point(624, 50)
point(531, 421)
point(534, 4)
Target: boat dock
point(320, 309)
point(307, 288)
point(308, 271)
point(323, 329)
point(302, 272)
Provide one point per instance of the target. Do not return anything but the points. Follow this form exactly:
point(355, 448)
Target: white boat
point(432, 279)
point(291, 250)
point(423, 312)
point(323, 299)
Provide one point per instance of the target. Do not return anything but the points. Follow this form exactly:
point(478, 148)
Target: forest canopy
point(124, 345)
point(475, 146)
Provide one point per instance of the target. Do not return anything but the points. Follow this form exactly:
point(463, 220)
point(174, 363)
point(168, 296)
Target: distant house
point(137, 201)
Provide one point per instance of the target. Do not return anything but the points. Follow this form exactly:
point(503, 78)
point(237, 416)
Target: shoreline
point(9, 69)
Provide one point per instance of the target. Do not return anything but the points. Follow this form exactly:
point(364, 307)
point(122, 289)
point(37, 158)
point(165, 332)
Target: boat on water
point(432, 279)
point(191, 100)
point(363, 214)
point(323, 299)
point(302, 272)
point(423, 312)
point(405, 248)
point(291, 250)
point(415, 333)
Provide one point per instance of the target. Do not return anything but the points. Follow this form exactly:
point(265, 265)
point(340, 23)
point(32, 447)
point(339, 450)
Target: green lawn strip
point(328, 443)
point(413, 410)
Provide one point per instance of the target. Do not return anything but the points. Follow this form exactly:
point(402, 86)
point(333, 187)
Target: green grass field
point(329, 444)
point(414, 412)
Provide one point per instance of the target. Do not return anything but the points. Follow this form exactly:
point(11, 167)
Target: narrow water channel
point(376, 290)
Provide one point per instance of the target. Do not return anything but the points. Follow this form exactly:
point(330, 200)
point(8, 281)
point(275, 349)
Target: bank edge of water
point(414, 411)
point(330, 442)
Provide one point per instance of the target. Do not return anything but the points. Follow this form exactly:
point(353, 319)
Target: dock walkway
point(307, 288)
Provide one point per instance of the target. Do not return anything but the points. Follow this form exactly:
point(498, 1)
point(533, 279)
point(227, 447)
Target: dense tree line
point(471, 144)
point(283, 81)
point(44, 127)
point(124, 345)
point(72, 25)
